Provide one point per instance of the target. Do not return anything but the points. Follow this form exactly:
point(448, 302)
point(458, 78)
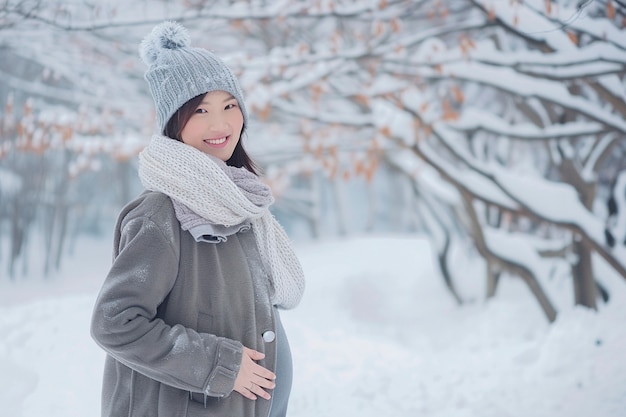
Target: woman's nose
point(217, 123)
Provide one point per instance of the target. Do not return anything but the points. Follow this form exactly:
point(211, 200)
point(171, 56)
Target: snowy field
point(376, 335)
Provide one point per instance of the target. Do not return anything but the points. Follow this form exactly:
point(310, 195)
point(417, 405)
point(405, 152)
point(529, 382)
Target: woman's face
point(215, 126)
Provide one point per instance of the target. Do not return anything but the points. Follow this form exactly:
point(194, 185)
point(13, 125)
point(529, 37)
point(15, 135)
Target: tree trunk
point(493, 278)
point(582, 273)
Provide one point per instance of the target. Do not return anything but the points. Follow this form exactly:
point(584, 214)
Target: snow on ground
point(376, 335)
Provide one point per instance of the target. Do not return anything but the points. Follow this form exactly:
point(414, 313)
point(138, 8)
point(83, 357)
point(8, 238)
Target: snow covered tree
point(517, 106)
point(530, 132)
point(72, 110)
point(497, 127)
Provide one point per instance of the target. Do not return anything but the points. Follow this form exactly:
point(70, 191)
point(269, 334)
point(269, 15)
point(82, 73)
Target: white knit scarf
point(226, 196)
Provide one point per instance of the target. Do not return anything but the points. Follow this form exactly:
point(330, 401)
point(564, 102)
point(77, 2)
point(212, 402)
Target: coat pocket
point(205, 323)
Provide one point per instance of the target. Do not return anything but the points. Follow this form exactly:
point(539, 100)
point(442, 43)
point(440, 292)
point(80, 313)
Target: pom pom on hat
point(167, 35)
point(177, 72)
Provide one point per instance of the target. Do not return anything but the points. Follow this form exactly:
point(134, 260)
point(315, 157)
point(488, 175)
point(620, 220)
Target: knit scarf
point(211, 191)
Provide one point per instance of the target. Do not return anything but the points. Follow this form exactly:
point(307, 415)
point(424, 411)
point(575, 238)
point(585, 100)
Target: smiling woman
point(189, 119)
point(215, 126)
point(189, 311)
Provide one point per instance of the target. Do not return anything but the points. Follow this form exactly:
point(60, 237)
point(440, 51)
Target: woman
point(188, 312)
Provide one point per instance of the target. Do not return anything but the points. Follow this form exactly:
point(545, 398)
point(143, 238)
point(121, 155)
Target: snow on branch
point(578, 20)
point(557, 203)
point(413, 39)
point(486, 52)
point(65, 16)
point(586, 69)
point(468, 179)
point(512, 82)
point(474, 182)
point(472, 119)
point(550, 28)
point(599, 151)
point(347, 119)
point(518, 249)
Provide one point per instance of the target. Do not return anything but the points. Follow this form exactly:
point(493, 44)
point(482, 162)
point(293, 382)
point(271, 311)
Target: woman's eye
point(230, 106)
point(200, 111)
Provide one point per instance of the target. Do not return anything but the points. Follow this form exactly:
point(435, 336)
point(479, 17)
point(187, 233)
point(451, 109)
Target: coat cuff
point(221, 381)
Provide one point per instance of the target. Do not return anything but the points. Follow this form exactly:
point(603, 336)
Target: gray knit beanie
point(177, 72)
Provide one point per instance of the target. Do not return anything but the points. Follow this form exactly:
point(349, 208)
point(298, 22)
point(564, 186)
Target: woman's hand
point(253, 379)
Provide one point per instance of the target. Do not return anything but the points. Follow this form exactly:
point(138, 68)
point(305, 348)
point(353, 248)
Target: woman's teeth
point(215, 141)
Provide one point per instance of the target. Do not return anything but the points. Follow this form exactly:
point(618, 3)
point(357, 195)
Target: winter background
point(452, 175)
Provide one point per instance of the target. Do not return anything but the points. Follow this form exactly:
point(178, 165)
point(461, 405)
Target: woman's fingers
point(263, 379)
point(257, 390)
point(253, 379)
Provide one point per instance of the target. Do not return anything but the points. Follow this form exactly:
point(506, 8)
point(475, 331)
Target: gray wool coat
point(173, 314)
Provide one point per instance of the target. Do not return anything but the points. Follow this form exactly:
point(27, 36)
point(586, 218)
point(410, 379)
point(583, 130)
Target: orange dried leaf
point(458, 94)
point(385, 131)
point(382, 4)
point(362, 99)
point(370, 170)
point(423, 107)
point(464, 49)
point(359, 168)
point(374, 147)
point(379, 29)
point(450, 115)
point(572, 37)
point(548, 6)
point(610, 9)
point(395, 25)
point(491, 14)
point(236, 23)
point(316, 91)
point(67, 133)
point(265, 112)
point(319, 149)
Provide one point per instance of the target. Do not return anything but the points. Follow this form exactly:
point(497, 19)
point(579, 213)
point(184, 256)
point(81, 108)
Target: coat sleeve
point(125, 323)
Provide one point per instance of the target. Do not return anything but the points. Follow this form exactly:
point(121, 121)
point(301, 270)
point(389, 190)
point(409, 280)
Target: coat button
point(269, 336)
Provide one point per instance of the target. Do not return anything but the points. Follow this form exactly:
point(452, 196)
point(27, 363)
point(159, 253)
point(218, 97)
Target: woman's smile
point(218, 142)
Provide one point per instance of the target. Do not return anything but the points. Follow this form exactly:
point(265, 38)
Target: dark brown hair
point(177, 122)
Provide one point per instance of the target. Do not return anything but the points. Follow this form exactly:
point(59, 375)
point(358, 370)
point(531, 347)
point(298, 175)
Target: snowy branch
point(473, 119)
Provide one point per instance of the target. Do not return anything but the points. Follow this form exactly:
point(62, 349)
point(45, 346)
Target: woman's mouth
point(217, 142)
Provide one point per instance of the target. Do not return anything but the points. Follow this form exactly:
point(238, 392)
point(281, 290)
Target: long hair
point(177, 122)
